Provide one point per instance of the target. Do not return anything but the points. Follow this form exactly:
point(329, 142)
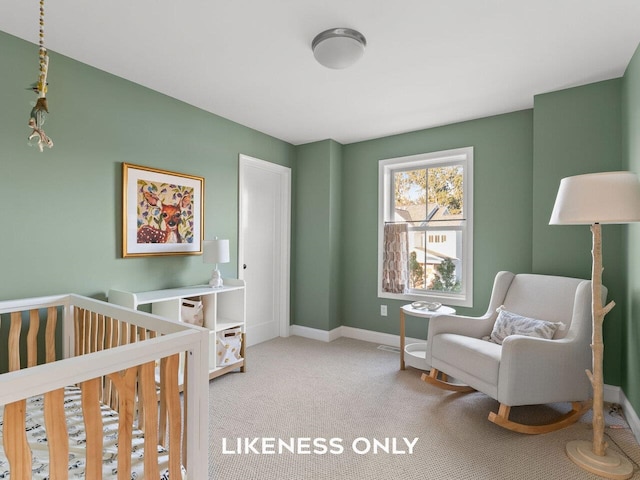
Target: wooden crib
point(122, 366)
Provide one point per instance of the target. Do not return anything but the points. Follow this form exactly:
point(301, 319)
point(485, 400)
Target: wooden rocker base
point(502, 418)
point(443, 382)
point(578, 409)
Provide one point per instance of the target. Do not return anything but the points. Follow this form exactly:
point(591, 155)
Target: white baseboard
point(315, 334)
point(350, 332)
point(378, 337)
point(612, 394)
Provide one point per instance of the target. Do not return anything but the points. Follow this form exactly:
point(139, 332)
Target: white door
point(264, 211)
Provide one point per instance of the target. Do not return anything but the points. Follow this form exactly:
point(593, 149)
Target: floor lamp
point(594, 199)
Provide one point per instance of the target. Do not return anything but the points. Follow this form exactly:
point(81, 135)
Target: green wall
point(577, 131)
point(64, 207)
point(335, 235)
point(502, 211)
point(65, 204)
point(630, 331)
point(317, 265)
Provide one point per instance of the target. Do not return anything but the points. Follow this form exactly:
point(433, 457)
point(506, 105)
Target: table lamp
point(594, 199)
point(216, 251)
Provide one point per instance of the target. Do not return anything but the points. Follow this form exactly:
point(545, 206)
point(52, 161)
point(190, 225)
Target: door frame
point(283, 307)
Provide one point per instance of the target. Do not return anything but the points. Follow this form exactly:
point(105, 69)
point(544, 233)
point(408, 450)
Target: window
point(432, 194)
point(437, 238)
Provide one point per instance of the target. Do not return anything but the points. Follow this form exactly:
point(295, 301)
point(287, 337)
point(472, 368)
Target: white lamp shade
point(216, 251)
point(607, 197)
point(338, 47)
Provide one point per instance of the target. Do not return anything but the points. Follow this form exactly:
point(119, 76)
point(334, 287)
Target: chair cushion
point(509, 323)
point(473, 356)
point(546, 297)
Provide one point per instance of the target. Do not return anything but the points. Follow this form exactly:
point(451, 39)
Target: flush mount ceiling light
point(338, 47)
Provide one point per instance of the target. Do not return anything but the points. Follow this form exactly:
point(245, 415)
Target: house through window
point(432, 194)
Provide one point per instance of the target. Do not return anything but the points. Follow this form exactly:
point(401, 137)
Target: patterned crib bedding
point(37, 439)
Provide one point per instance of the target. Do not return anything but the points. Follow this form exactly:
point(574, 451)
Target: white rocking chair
point(523, 370)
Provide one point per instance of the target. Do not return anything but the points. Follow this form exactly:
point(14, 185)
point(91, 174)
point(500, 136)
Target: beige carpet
point(303, 391)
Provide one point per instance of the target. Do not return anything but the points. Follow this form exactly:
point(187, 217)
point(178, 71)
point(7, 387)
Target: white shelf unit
point(223, 309)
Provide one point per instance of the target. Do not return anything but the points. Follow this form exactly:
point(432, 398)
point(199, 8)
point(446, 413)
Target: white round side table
point(416, 352)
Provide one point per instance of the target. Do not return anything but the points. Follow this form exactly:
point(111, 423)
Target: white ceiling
point(427, 62)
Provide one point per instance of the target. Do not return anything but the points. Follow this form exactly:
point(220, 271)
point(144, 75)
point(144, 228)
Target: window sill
point(453, 300)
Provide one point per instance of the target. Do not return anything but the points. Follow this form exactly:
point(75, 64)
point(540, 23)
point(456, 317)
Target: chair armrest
point(536, 370)
point(462, 325)
point(476, 327)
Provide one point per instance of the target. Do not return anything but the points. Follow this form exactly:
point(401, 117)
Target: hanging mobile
point(39, 111)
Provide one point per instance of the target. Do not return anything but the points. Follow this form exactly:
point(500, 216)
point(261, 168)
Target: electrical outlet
point(383, 310)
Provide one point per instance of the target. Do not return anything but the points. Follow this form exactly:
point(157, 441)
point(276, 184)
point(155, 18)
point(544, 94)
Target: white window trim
point(385, 167)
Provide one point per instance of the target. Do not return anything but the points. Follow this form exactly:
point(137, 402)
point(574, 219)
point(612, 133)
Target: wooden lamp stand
point(594, 456)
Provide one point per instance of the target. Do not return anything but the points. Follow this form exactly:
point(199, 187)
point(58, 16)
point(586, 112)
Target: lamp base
point(610, 465)
point(216, 279)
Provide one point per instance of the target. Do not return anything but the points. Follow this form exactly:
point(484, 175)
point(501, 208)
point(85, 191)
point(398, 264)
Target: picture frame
point(162, 212)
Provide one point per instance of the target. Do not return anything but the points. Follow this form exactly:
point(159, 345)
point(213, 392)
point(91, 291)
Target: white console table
point(223, 309)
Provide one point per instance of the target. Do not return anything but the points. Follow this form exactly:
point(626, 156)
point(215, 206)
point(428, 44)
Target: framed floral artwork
point(162, 212)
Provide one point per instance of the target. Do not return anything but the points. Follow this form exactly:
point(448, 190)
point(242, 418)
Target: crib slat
point(96, 320)
point(106, 383)
point(124, 329)
point(32, 338)
point(109, 396)
point(57, 436)
point(133, 333)
point(89, 333)
point(14, 341)
point(93, 426)
point(115, 335)
point(77, 324)
point(149, 404)
point(83, 331)
point(171, 394)
point(141, 335)
point(50, 334)
point(100, 336)
point(111, 333)
point(125, 384)
point(162, 427)
point(16, 447)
